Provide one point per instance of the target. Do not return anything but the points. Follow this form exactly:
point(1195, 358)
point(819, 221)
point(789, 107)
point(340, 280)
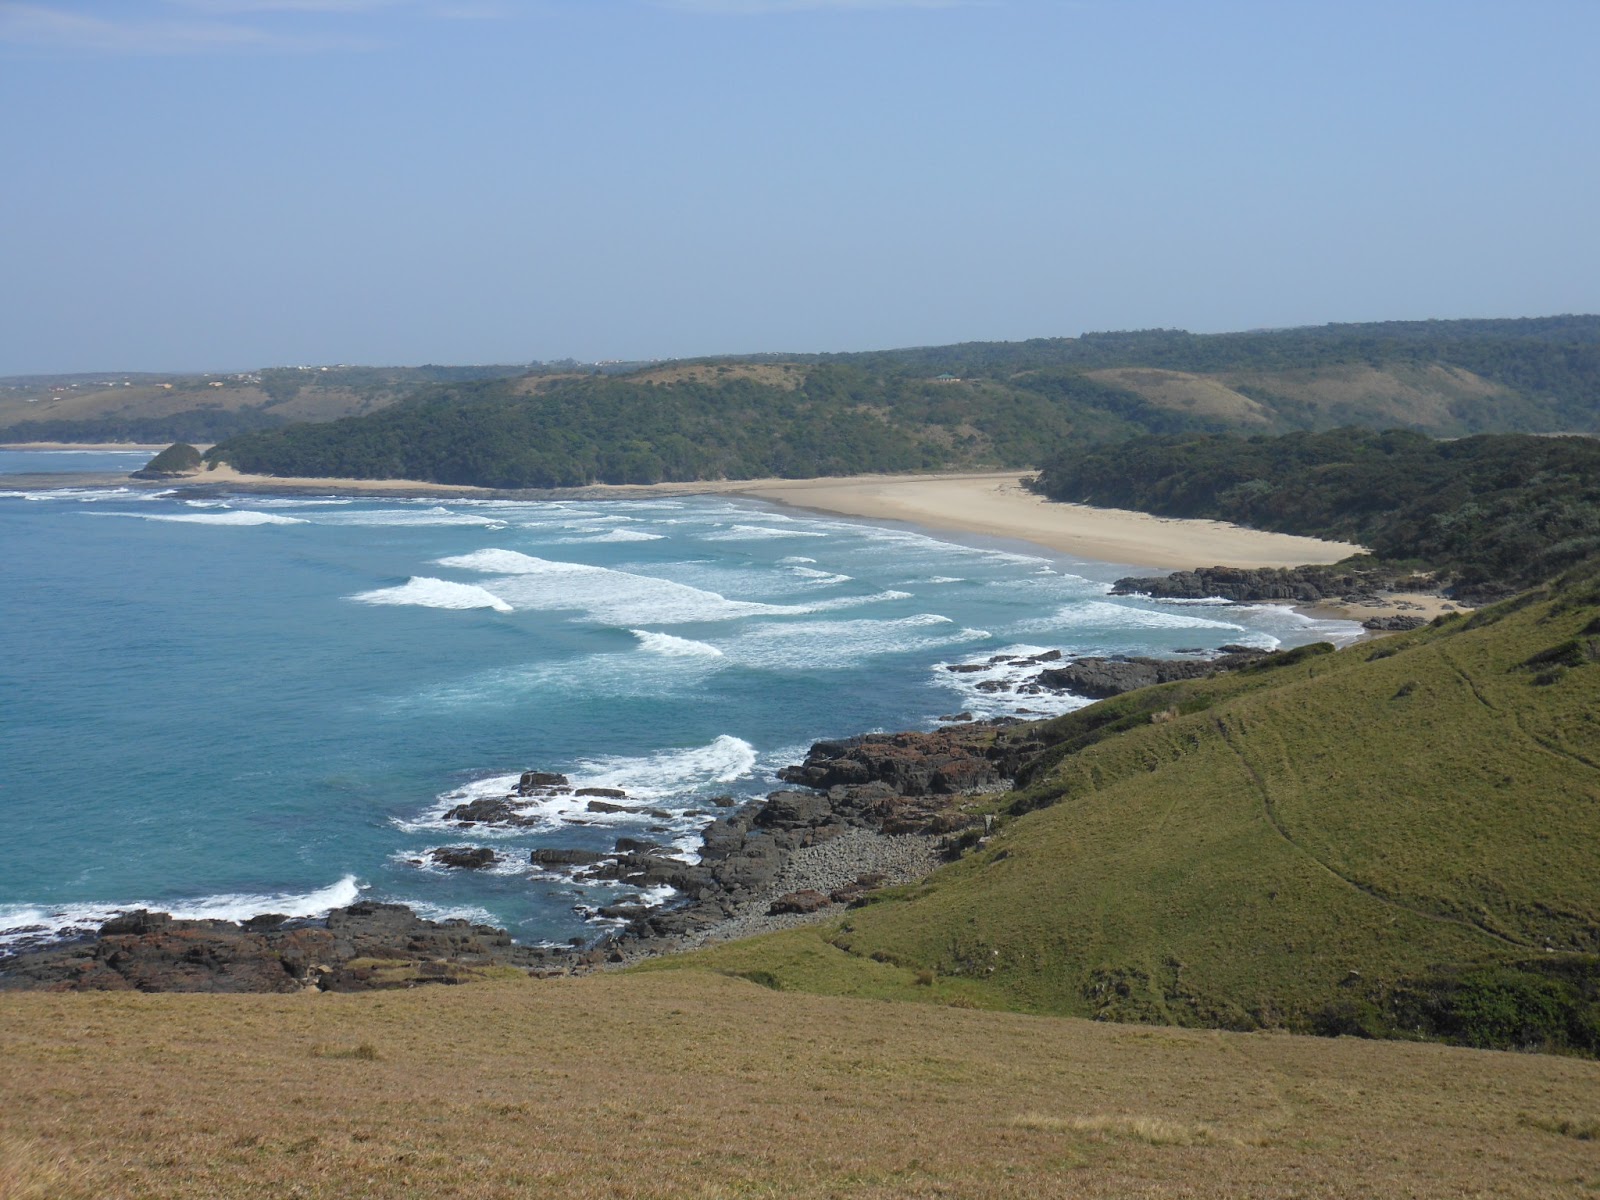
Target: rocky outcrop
point(945, 762)
point(360, 948)
point(466, 858)
point(1399, 623)
point(1100, 678)
point(885, 799)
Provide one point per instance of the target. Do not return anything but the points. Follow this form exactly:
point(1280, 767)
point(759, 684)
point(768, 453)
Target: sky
point(231, 184)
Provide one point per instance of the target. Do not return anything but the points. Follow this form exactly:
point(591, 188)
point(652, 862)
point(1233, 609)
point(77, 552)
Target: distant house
point(947, 378)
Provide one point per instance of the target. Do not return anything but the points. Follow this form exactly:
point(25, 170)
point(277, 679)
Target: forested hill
point(1508, 510)
point(688, 423)
point(981, 404)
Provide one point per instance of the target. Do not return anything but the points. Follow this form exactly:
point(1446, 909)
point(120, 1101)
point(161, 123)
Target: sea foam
point(674, 647)
point(427, 592)
point(624, 598)
point(227, 517)
point(23, 925)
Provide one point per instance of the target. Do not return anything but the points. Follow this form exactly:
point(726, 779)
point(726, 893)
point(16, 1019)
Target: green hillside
point(984, 404)
point(1398, 838)
point(1496, 511)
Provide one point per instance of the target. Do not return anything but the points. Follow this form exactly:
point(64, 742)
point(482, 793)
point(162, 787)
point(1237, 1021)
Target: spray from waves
point(674, 647)
point(992, 691)
point(667, 779)
point(24, 925)
point(670, 773)
point(229, 517)
point(427, 592)
point(623, 598)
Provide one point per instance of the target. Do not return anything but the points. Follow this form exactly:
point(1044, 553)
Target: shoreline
point(987, 504)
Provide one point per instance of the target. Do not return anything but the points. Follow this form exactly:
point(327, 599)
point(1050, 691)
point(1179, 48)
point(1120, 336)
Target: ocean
point(227, 706)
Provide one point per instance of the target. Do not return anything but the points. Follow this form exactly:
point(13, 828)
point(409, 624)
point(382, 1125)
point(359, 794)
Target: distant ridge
point(1447, 378)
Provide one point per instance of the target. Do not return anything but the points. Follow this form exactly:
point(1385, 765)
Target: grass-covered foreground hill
point(1398, 839)
point(694, 1085)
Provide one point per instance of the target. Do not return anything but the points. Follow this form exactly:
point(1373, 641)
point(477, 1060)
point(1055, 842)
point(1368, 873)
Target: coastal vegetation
point(1394, 840)
point(1495, 512)
point(980, 404)
point(180, 458)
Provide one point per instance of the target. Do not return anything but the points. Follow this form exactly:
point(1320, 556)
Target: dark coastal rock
point(489, 812)
point(534, 782)
point(562, 857)
point(605, 806)
point(1394, 624)
point(628, 845)
point(1101, 678)
point(359, 948)
point(944, 762)
point(605, 793)
point(804, 901)
point(467, 858)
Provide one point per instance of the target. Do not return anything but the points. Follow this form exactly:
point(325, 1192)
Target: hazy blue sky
point(238, 183)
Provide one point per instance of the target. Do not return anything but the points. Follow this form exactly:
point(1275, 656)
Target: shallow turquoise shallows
point(222, 707)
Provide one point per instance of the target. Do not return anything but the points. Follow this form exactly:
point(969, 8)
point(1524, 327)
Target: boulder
point(564, 857)
point(533, 782)
point(808, 900)
point(467, 858)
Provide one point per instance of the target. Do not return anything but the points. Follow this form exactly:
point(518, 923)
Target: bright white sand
point(998, 505)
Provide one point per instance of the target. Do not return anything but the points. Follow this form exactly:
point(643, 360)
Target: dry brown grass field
point(690, 1084)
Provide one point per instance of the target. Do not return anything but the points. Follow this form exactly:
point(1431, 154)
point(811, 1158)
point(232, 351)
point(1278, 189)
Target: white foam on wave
point(756, 533)
point(666, 780)
point(24, 925)
point(614, 535)
point(1005, 701)
point(1104, 615)
point(836, 645)
point(1280, 618)
point(232, 516)
point(822, 578)
point(624, 598)
point(426, 592)
point(410, 518)
point(84, 495)
point(297, 501)
point(669, 773)
point(795, 558)
point(674, 647)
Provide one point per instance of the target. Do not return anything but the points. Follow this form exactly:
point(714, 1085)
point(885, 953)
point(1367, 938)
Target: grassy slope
point(694, 1085)
point(1387, 810)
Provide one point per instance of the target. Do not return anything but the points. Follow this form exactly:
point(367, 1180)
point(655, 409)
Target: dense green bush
point(1499, 510)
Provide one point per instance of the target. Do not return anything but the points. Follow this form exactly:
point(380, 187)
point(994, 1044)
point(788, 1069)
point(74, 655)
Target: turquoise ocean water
point(251, 704)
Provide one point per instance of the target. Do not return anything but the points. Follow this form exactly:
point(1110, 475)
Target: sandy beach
point(991, 503)
point(996, 504)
